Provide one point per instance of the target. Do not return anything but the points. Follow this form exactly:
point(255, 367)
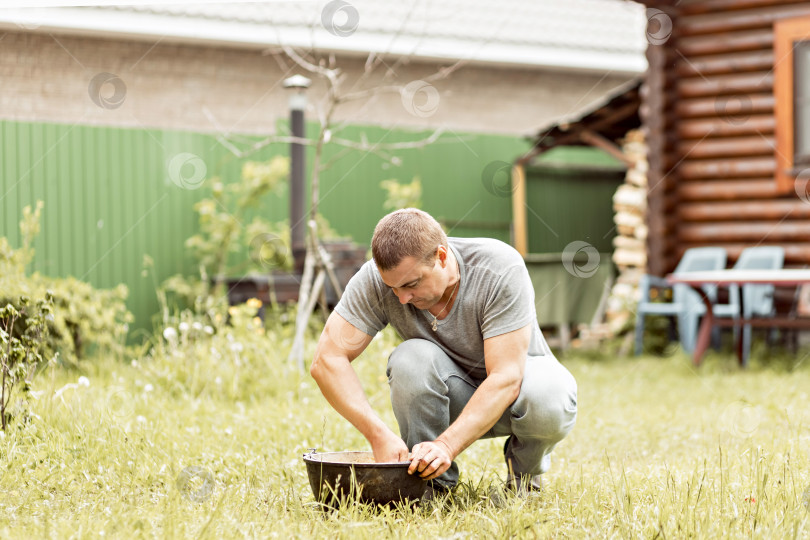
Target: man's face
point(416, 283)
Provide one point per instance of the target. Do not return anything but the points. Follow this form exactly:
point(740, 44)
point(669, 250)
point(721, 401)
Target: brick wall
point(48, 78)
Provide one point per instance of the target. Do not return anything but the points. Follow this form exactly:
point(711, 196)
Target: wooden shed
point(725, 107)
point(601, 124)
point(563, 210)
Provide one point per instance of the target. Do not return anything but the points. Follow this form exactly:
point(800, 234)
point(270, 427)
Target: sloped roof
point(586, 35)
point(611, 117)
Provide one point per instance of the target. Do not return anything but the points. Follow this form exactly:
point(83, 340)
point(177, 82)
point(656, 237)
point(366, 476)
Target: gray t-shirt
point(495, 297)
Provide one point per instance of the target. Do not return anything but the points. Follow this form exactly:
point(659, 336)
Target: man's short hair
point(409, 232)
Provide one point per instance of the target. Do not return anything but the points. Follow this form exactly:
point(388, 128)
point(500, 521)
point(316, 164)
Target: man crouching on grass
point(473, 363)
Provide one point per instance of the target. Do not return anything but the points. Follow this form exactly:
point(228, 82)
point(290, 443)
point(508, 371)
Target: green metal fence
point(109, 199)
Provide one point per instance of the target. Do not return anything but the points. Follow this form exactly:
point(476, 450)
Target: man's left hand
point(430, 459)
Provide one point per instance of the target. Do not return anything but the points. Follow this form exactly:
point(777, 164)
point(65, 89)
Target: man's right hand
point(390, 449)
point(331, 368)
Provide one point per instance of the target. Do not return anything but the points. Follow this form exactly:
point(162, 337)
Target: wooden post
point(519, 229)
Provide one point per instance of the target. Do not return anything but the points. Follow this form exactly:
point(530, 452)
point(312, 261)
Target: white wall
point(47, 78)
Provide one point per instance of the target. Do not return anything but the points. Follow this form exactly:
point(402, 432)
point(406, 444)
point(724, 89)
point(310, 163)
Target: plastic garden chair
point(686, 303)
point(757, 300)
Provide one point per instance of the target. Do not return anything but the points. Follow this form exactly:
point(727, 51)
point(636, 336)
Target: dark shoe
point(517, 483)
point(510, 492)
point(524, 485)
point(435, 491)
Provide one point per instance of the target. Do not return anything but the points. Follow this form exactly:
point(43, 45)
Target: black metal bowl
point(336, 476)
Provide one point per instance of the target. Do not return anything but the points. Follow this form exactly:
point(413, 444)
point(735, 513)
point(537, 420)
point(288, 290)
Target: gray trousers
point(429, 391)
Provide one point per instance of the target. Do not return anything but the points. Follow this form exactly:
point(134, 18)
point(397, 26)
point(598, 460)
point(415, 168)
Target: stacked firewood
point(630, 253)
point(616, 311)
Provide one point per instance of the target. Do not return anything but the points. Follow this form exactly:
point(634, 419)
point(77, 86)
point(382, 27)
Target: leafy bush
point(195, 315)
point(402, 195)
point(83, 317)
point(223, 229)
point(229, 242)
point(21, 333)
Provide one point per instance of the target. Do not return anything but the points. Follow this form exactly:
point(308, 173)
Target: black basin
point(334, 476)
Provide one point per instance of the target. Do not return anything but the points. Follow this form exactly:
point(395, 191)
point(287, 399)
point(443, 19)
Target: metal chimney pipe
point(298, 223)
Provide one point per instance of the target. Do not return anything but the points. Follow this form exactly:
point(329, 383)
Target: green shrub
point(196, 320)
point(229, 243)
point(22, 329)
point(83, 317)
point(399, 195)
point(232, 241)
point(224, 227)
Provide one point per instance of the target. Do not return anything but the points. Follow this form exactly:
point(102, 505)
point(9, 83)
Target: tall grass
point(203, 438)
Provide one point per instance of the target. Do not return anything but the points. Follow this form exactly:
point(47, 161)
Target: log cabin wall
point(708, 107)
point(656, 112)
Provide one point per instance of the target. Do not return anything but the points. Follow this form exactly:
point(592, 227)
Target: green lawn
point(204, 438)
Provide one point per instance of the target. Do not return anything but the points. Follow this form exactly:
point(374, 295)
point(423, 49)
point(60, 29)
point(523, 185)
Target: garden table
point(778, 278)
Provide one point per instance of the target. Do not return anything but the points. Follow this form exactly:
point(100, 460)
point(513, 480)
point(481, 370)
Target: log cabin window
point(801, 103)
point(792, 93)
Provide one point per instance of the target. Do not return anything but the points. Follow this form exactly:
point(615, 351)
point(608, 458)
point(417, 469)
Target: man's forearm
point(341, 388)
point(485, 408)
